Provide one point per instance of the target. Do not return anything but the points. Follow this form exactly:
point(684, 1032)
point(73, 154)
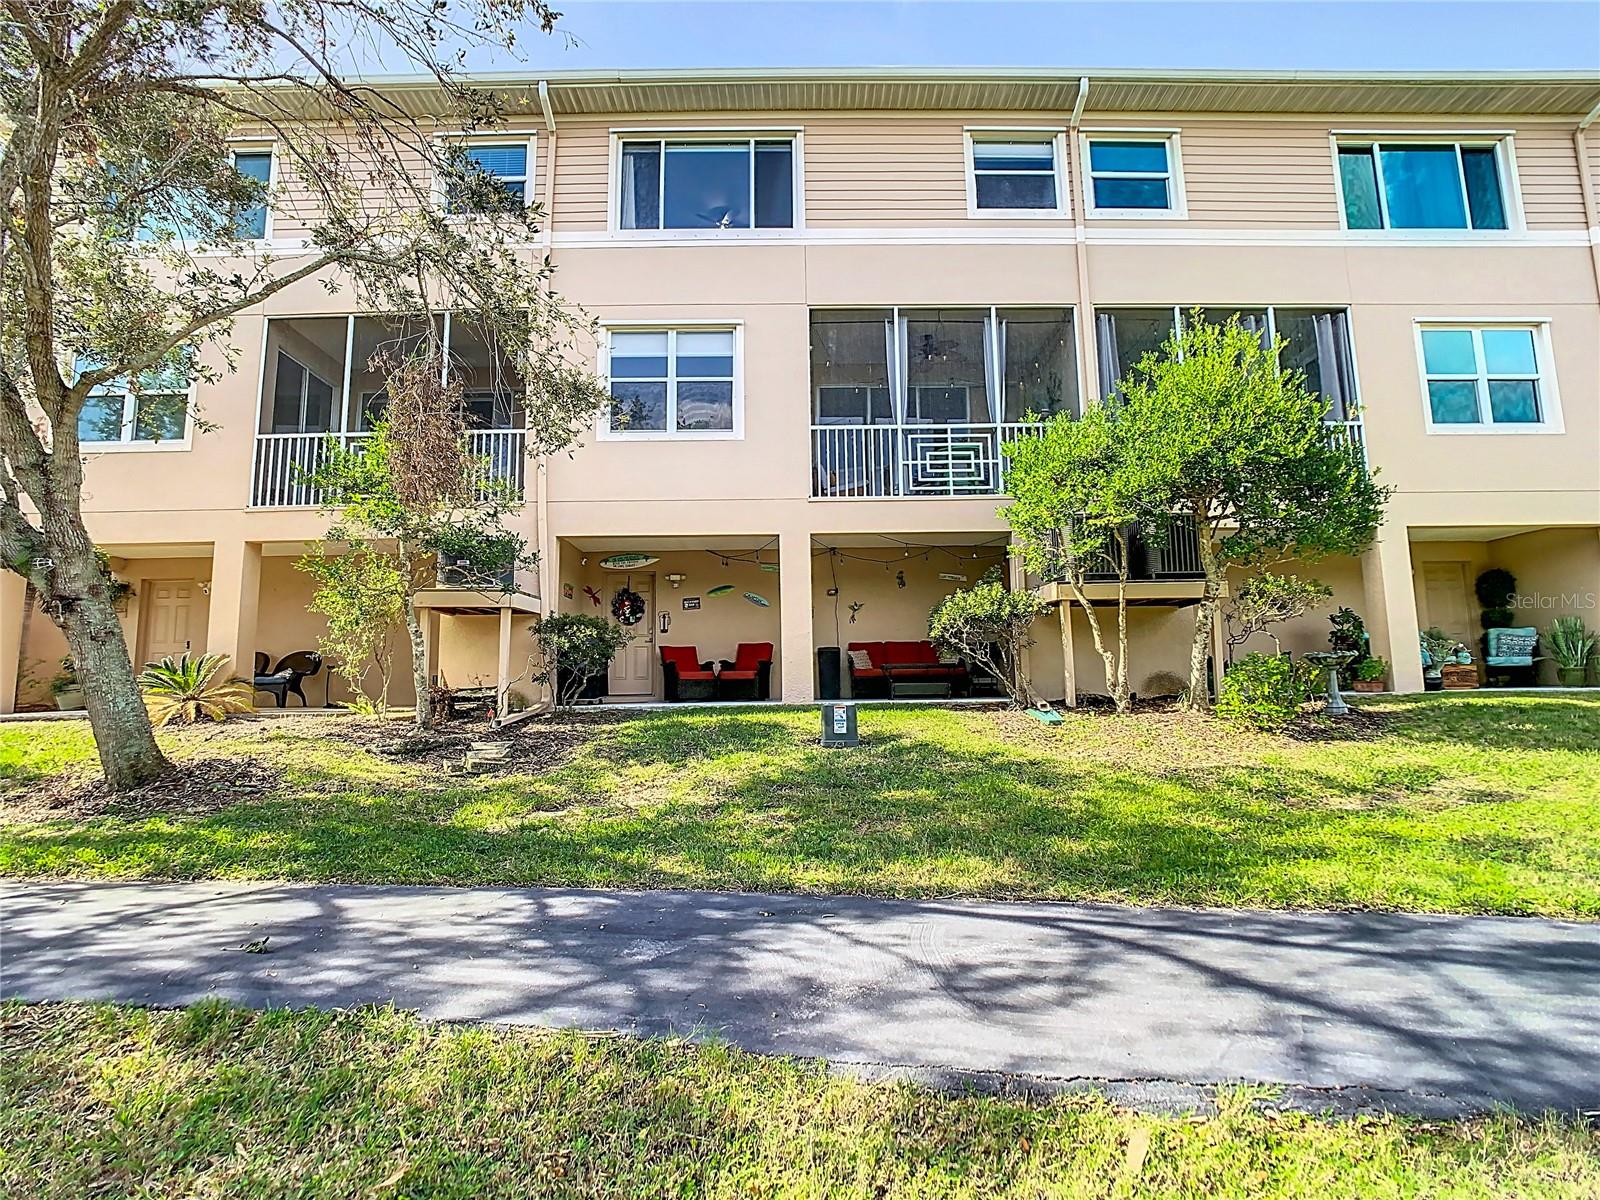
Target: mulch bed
point(194, 787)
point(1358, 725)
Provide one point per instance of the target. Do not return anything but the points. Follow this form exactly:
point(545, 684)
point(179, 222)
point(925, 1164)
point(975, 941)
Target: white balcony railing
point(878, 462)
point(885, 461)
point(283, 461)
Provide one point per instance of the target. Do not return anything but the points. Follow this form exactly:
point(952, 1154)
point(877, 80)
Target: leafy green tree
point(361, 590)
point(1241, 447)
point(572, 647)
point(990, 625)
point(126, 240)
point(1078, 496)
point(1268, 599)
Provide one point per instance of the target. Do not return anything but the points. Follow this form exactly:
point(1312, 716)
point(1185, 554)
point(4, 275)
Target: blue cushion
point(1512, 644)
point(1510, 660)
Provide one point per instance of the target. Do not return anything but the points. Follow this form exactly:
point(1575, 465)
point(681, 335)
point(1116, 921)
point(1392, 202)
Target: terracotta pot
point(1367, 685)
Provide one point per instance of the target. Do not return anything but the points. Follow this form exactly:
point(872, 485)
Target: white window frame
point(1544, 361)
point(1054, 135)
point(603, 430)
point(1500, 140)
point(501, 137)
point(130, 408)
point(726, 133)
point(237, 146)
point(1177, 195)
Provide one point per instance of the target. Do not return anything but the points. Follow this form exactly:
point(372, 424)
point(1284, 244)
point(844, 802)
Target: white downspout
point(548, 229)
point(541, 478)
point(1591, 208)
point(1080, 243)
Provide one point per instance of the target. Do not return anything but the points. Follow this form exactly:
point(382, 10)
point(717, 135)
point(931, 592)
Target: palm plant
point(186, 689)
point(1572, 646)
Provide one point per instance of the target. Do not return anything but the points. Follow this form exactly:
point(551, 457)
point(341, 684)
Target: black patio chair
point(287, 675)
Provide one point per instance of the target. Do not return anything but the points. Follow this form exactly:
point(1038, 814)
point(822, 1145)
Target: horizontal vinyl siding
point(1547, 167)
point(583, 176)
point(885, 171)
point(1272, 175)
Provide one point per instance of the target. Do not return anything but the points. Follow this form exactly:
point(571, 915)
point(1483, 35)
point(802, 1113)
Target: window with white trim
point(1423, 185)
point(154, 410)
point(1132, 174)
point(1480, 376)
point(495, 177)
point(1015, 172)
point(673, 382)
point(256, 165)
point(707, 183)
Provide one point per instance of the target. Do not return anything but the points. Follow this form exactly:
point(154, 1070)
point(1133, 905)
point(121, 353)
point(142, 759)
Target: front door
point(1444, 592)
point(169, 615)
point(633, 670)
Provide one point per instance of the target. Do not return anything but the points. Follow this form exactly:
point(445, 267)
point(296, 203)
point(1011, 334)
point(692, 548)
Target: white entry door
point(633, 670)
point(170, 615)
point(1444, 591)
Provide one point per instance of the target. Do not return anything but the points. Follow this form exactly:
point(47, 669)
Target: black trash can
point(828, 686)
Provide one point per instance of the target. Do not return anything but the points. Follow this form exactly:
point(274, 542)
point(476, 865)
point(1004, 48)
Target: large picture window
point(1485, 376)
point(707, 184)
point(1422, 185)
point(673, 382)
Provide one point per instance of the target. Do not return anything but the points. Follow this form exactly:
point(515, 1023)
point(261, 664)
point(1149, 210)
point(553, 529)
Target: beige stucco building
point(829, 297)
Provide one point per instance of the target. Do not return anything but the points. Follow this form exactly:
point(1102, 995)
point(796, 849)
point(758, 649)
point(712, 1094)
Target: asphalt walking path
point(1427, 1014)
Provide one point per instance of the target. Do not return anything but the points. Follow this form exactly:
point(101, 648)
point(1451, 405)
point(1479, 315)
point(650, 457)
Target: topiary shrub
point(1495, 589)
point(1265, 690)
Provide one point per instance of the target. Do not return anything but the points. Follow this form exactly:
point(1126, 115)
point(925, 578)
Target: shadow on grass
point(905, 814)
point(1484, 720)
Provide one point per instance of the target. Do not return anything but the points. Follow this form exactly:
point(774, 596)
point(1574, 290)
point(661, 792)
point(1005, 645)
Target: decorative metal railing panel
point(285, 461)
point(880, 462)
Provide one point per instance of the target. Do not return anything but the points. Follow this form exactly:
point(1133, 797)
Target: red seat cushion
point(874, 652)
point(910, 652)
point(738, 675)
point(684, 676)
point(869, 673)
point(685, 658)
point(751, 655)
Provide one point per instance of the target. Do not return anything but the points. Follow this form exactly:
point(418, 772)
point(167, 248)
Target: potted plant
point(1572, 647)
point(1496, 589)
point(66, 688)
point(1441, 649)
point(1370, 675)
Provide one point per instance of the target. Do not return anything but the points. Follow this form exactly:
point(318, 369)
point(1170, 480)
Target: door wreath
point(627, 606)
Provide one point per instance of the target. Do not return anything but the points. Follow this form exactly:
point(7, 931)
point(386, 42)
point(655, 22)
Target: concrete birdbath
point(1332, 660)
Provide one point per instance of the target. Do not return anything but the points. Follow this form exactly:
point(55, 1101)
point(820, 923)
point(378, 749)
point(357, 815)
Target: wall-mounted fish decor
point(770, 567)
point(627, 562)
point(758, 601)
point(722, 589)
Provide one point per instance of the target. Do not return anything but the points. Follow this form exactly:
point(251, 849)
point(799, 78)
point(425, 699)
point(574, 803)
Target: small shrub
point(186, 689)
point(575, 646)
point(1265, 690)
point(1369, 669)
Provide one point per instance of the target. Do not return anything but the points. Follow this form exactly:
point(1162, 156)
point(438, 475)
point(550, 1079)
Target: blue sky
point(1266, 34)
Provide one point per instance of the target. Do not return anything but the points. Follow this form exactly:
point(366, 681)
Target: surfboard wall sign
point(758, 601)
point(722, 589)
point(627, 562)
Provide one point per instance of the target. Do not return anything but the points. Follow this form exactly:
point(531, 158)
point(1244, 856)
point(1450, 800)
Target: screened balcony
point(921, 402)
point(323, 386)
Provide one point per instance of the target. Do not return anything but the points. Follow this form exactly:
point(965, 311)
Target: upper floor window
point(673, 383)
point(251, 223)
point(1423, 185)
point(496, 177)
point(707, 184)
point(1133, 175)
point(154, 409)
point(1016, 171)
point(1482, 376)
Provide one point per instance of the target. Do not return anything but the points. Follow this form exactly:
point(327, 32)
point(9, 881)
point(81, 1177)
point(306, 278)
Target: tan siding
point(867, 171)
point(583, 167)
point(1547, 167)
point(1259, 176)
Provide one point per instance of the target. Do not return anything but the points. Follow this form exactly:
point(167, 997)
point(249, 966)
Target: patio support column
point(235, 598)
point(503, 664)
point(794, 629)
point(1392, 606)
point(13, 595)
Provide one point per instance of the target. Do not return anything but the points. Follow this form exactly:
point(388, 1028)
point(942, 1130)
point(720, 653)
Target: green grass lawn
point(1470, 803)
point(219, 1101)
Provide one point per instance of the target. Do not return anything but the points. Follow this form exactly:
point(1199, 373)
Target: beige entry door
point(169, 617)
point(633, 670)
point(1444, 592)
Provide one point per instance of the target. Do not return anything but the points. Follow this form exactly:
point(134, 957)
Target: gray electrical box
point(839, 725)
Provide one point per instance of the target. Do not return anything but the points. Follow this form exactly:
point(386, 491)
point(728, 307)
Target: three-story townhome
point(826, 301)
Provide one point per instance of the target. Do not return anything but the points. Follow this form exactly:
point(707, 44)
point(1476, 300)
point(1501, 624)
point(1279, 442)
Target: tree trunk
point(1120, 693)
point(1205, 615)
point(1112, 667)
point(78, 601)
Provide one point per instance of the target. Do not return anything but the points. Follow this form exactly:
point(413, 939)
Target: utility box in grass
point(839, 725)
